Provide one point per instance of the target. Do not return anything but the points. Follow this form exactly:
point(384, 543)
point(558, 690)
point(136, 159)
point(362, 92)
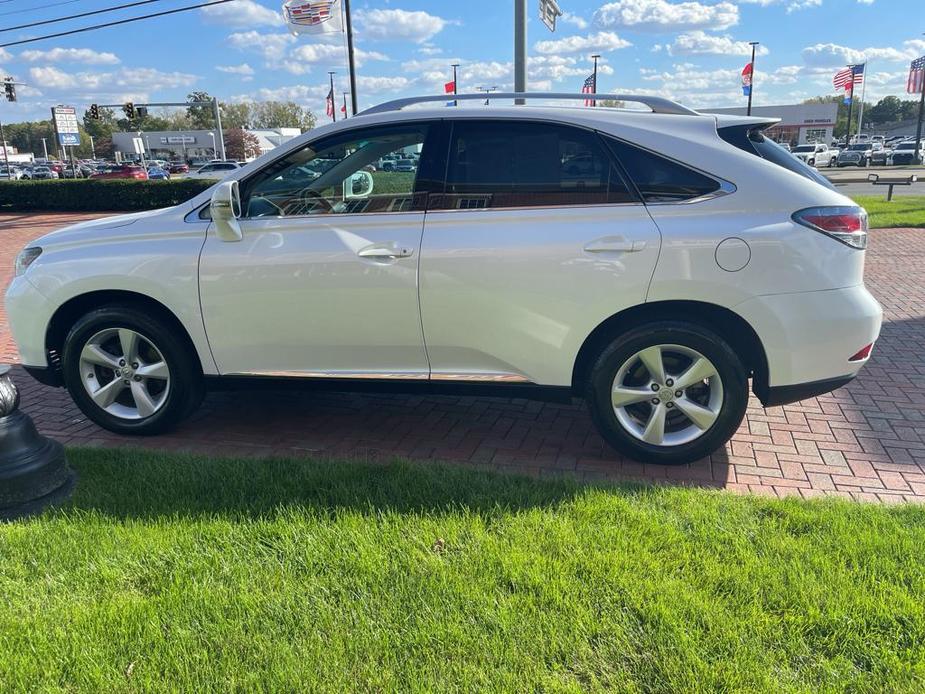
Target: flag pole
point(918, 129)
point(345, 106)
point(350, 58)
point(595, 57)
point(455, 92)
point(861, 105)
point(751, 87)
point(333, 107)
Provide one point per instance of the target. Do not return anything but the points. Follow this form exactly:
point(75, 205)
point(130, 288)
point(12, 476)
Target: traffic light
point(141, 112)
point(129, 110)
point(10, 89)
point(94, 112)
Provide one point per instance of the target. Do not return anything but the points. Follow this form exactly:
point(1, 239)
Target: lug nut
point(122, 362)
point(134, 364)
point(137, 378)
point(128, 382)
point(678, 393)
point(655, 401)
point(669, 405)
point(669, 382)
point(655, 387)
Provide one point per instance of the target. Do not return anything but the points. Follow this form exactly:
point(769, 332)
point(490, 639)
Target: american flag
point(329, 103)
point(916, 82)
point(309, 13)
point(589, 88)
point(852, 75)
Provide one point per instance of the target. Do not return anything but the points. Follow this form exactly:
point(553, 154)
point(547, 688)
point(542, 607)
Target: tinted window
point(753, 141)
point(521, 164)
point(346, 173)
point(659, 179)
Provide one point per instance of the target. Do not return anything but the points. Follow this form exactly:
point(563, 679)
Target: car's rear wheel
point(130, 372)
point(667, 392)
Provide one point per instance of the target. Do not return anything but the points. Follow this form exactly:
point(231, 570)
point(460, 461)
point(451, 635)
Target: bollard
point(33, 471)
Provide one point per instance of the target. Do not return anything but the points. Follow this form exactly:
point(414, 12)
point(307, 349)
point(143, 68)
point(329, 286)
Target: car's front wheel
point(668, 392)
point(130, 372)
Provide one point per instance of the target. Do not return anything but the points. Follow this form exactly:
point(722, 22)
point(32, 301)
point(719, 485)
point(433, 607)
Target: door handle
point(614, 245)
point(386, 251)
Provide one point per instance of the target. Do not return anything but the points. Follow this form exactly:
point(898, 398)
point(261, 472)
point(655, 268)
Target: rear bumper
point(809, 337)
point(784, 395)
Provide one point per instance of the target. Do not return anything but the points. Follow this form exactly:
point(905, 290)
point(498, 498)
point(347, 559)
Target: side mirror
point(359, 185)
point(226, 211)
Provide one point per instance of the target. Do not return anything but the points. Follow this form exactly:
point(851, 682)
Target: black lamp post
point(33, 470)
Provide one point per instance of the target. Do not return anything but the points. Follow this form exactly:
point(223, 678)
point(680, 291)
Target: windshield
point(751, 139)
point(906, 145)
point(859, 148)
point(805, 148)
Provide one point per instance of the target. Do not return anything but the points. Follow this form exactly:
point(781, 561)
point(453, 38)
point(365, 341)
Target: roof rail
point(656, 103)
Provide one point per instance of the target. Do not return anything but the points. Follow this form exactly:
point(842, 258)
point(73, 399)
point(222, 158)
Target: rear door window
point(659, 179)
point(496, 164)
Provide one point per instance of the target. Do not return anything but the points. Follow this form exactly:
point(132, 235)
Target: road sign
point(549, 11)
point(65, 120)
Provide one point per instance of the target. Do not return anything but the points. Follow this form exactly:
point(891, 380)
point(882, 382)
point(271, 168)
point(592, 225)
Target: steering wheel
point(306, 198)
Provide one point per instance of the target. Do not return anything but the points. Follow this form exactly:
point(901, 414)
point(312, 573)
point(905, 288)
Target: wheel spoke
point(106, 395)
point(702, 417)
point(655, 428)
point(158, 371)
point(700, 370)
point(651, 358)
point(94, 354)
point(129, 341)
point(623, 395)
point(143, 401)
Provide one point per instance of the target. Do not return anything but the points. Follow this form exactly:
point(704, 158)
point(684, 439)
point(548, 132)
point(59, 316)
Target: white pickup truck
point(816, 154)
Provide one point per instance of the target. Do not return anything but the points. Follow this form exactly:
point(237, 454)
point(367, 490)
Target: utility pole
point(595, 57)
point(455, 86)
point(92, 148)
point(751, 89)
point(6, 154)
point(350, 59)
point(218, 126)
point(333, 107)
point(520, 48)
point(45, 148)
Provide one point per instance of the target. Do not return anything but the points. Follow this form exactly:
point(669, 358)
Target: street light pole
point(595, 57)
point(751, 89)
point(350, 59)
point(520, 48)
point(92, 148)
point(45, 148)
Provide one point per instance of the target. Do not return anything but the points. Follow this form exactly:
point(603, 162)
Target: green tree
point(887, 110)
point(201, 117)
point(237, 115)
point(281, 114)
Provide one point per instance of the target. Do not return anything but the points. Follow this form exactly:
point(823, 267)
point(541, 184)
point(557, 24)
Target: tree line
point(890, 109)
point(27, 136)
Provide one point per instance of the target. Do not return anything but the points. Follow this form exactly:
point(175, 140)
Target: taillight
point(845, 224)
point(862, 353)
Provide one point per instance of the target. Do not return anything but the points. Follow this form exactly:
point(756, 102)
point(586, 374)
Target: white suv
point(649, 262)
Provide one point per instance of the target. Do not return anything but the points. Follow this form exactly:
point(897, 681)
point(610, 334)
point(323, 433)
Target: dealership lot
point(864, 441)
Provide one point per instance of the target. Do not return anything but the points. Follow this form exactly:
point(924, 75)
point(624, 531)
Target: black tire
point(186, 383)
point(728, 366)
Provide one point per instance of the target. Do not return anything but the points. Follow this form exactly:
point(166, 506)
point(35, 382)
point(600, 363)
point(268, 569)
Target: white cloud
point(242, 69)
point(601, 41)
point(148, 78)
point(792, 5)
point(52, 78)
point(574, 19)
point(664, 16)
point(272, 47)
point(428, 49)
point(303, 57)
point(70, 55)
point(5, 54)
point(701, 43)
point(400, 25)
point(243, 13)
point(834, 55)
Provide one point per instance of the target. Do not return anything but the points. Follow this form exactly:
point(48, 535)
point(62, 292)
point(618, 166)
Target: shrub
point(97, 196)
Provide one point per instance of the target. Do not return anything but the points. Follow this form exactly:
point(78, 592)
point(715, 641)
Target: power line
point(82, 14)
point(112, 24)
point(36, 9)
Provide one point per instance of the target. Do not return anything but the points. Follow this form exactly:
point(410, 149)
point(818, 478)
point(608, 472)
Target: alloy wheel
point(124, 373)
point(667, 395)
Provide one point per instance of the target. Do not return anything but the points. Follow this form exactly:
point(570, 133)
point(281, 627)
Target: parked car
point(178, 167)
point(856, 155)
point(42, 173)
point(816, 154)
point(10, 173)
point(879, 157)
point(654, 290)
point(156, 173)
point(130, 171)
point(217, 170)
point(406, 166)
point(904, 153)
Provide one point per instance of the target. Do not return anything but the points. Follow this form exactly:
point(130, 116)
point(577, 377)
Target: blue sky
point(692, 50)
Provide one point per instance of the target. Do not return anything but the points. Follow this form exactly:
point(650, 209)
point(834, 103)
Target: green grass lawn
point(172, 573)
point(903, 211)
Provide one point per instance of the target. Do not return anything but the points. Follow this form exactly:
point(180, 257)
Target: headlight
point(25, 258)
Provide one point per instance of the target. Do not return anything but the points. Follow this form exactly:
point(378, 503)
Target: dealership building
point(192, 145)
point(800, 124)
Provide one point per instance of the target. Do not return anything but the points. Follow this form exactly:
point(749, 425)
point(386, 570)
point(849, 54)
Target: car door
point(324, 282)
point(535, 241)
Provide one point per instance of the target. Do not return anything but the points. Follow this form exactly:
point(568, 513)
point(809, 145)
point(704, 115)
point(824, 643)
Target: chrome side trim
point(479, 377)
point(390, 376)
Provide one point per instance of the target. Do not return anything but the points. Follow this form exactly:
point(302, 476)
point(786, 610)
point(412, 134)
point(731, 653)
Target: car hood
point(95, 228)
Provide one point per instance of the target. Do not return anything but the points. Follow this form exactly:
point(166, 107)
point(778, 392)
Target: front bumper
point(808, 338)
point(28, 313)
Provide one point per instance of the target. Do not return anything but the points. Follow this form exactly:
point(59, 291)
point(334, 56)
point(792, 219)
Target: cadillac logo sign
point(313, 16)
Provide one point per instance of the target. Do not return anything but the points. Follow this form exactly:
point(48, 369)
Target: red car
point(178, 167)
point(123, 171)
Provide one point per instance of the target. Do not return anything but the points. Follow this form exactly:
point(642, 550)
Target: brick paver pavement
point(866, 441)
